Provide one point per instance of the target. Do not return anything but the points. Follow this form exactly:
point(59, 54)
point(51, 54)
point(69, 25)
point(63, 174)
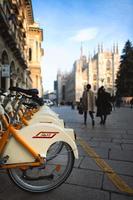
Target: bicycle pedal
point(4, 160)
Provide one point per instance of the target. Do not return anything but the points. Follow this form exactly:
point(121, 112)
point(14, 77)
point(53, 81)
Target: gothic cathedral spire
point(81, 51)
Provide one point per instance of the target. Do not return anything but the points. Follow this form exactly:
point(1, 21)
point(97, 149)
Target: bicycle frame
point(40, 150)
point(6, 136)
point(31, 143)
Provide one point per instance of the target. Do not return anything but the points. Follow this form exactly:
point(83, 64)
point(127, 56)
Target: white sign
point(6, 70)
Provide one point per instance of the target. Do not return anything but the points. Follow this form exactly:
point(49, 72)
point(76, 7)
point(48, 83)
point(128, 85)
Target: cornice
point(29, 9)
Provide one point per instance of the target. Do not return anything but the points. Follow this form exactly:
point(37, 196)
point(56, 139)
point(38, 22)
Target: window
point(36, 51)
point(108, 79)
point(30, 54)
point(94, 77)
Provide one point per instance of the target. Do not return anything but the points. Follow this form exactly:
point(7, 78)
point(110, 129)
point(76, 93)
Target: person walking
point(88, 100)
point(131, 103)
point(103, 103)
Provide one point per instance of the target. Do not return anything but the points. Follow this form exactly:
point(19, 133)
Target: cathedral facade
point(99, 70)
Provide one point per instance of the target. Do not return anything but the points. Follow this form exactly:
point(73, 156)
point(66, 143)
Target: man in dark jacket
point(103, 103)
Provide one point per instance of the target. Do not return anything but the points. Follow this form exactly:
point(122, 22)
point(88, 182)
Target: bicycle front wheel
point(52, 175)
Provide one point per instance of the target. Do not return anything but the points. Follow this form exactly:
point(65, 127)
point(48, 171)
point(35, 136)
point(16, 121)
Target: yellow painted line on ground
point(117, 181)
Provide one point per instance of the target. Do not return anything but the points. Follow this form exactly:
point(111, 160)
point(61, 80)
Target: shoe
point(93, 122)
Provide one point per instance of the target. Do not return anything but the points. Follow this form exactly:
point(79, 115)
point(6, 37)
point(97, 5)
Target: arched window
point(5, 58)
point(36, 51)
point(12, 67)
point(18, 70)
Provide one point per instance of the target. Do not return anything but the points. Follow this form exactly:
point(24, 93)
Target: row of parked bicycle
point(36, 148)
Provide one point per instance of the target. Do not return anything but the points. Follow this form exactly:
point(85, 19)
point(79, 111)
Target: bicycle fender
point(40, 137)
point(46, 119)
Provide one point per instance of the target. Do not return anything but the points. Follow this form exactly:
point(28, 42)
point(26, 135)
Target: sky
point(68, 23)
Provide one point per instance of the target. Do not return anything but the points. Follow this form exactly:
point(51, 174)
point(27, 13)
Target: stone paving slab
point(101, 139)
point(125, 155)
point(87, 178)
point(130, 131)
point(93, 143)
point(102, 152)
point(120, 197)
point(108, 185)
point(87, 181)
point(81, 151)
point(127, 146)
point(78, 161)
point(64, 192)
point(110, 145)
point(128, 136)
point(122, 141)
point(89, 163)
point(116, 137)
point(121, 167)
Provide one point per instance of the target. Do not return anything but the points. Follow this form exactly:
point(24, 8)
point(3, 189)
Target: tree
point(124, 81)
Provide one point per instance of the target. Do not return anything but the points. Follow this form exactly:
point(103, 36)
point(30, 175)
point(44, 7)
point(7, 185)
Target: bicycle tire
point(57, 170)
point(54, 150)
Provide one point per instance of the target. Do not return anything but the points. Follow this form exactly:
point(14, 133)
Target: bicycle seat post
point(22, 99)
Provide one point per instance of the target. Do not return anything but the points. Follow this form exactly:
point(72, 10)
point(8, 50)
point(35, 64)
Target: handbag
point(80, 109)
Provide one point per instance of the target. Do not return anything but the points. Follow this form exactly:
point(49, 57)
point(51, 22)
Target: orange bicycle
point(24, 153)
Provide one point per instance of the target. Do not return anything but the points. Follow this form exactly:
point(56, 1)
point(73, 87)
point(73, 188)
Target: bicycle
point(30, 169)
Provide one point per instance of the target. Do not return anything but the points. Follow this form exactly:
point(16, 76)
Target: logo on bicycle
point(45, 134)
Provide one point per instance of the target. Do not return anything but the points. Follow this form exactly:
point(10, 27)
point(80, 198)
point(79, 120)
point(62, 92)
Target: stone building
point(16, 17)
point(99, 70)
point(35, 38)
point(103, 69)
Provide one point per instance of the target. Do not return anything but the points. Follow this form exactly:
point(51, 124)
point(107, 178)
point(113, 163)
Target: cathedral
point(99, 70)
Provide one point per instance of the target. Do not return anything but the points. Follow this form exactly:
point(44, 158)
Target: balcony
point(9, 36)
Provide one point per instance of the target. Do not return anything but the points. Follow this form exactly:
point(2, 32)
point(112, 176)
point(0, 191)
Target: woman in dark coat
point(103, 104)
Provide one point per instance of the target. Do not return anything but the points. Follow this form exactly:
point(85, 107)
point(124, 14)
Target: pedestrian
point(113, 101)
point(103, 103)
point(88, 100)
point(118, 101)
point(131, 103)
point(72, 105)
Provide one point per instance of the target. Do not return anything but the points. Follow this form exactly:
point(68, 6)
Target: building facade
point(35, 38)
point(99, 70)
point(16, 17)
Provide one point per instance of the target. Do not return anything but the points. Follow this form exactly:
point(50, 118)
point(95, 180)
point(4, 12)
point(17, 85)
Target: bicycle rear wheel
point(55, 172)
point(54, 150)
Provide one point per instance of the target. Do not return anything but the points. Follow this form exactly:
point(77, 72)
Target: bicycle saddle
point(31, 92)
point(38, 100)
point(30, 105)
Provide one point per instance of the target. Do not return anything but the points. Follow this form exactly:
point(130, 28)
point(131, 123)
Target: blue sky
point(66, 23)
